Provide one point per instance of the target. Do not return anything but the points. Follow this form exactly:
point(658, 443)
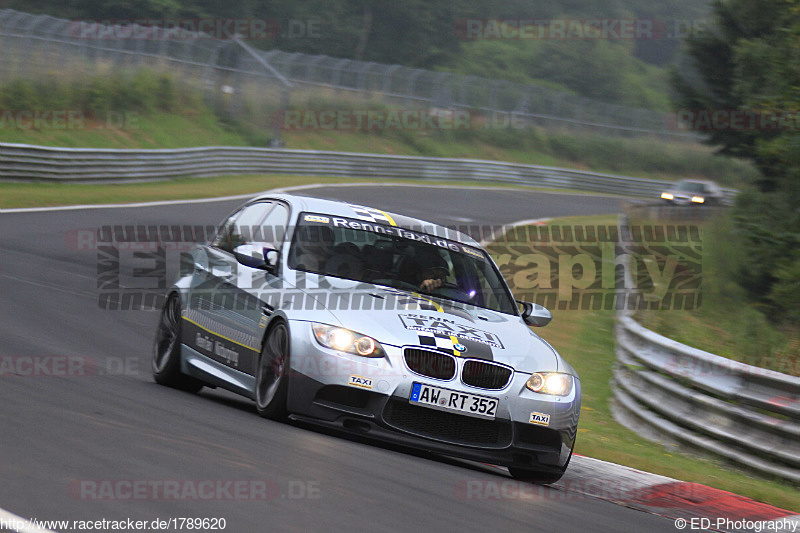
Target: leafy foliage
point(602, 69)
point(142, 90)
point(751, 61)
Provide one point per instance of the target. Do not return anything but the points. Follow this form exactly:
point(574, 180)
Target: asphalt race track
point(60, 435)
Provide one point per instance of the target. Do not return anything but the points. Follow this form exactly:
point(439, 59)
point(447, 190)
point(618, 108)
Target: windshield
point(691, 186)
point(408, 260)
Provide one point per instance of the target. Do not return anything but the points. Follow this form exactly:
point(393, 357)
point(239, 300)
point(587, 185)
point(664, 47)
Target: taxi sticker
point(360, 381)
point(540, 419)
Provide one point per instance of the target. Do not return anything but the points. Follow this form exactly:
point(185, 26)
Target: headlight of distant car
point(550, 383)
point(698, 199)
point(347, 341)
point(666, 196)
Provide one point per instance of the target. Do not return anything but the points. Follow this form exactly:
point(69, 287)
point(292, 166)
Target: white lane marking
point(21, 524)
point(278, 190)
point(509, 227)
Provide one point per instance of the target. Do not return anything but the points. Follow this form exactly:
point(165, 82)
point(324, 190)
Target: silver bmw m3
point(372, 323)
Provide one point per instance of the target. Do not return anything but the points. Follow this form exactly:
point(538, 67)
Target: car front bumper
point(370, 397)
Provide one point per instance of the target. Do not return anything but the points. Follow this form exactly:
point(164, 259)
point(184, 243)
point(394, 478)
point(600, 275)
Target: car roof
point(302, 203)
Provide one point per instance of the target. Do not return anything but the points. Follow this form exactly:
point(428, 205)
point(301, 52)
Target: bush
point(142, 91)
point(20, 94)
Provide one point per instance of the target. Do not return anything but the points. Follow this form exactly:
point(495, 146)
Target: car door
point(224, 308)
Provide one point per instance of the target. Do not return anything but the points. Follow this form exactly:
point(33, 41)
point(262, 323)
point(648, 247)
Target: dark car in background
point(694, 192)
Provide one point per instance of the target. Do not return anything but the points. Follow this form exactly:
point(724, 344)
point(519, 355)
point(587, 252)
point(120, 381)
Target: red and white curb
point(693, 506)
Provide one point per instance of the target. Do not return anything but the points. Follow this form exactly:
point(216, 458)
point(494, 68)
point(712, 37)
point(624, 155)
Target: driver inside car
point(429, 271)
point(432, 277)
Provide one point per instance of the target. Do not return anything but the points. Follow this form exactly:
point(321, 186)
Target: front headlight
point(698, 199)
point(348, 341)
point(666, 196)
point(550, 383)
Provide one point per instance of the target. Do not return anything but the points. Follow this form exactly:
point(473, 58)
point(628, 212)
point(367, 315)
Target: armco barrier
point(667, 391)
point(28, 163)
point(745, 414)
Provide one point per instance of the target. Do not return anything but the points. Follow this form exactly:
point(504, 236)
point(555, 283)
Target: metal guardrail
point(666, 390)
point(28, 163)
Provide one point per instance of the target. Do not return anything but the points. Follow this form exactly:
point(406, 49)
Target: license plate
point(453, 401)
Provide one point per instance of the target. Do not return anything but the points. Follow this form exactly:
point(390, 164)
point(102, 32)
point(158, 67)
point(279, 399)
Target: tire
point(167, 349)
point(272, 376)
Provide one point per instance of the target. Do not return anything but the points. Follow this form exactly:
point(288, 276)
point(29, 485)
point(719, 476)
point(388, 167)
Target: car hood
point(402, 318)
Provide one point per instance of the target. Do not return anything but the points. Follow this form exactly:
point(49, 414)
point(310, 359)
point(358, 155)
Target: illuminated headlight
point(550, 383)
point(666, 196)
point(698, 199)
point(345, 340)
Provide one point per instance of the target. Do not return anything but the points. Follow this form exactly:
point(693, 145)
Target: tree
point(751, 61)
point(736, 65)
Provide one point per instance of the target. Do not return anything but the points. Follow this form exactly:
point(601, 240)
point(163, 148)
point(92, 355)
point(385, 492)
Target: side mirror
point(257, 255)
point(535, 314)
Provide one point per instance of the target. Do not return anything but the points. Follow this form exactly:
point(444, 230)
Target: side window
point(242, 227)
point(273, 228)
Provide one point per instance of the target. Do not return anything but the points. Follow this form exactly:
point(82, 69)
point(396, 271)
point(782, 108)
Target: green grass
point(586, 340)
point(142, 130)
